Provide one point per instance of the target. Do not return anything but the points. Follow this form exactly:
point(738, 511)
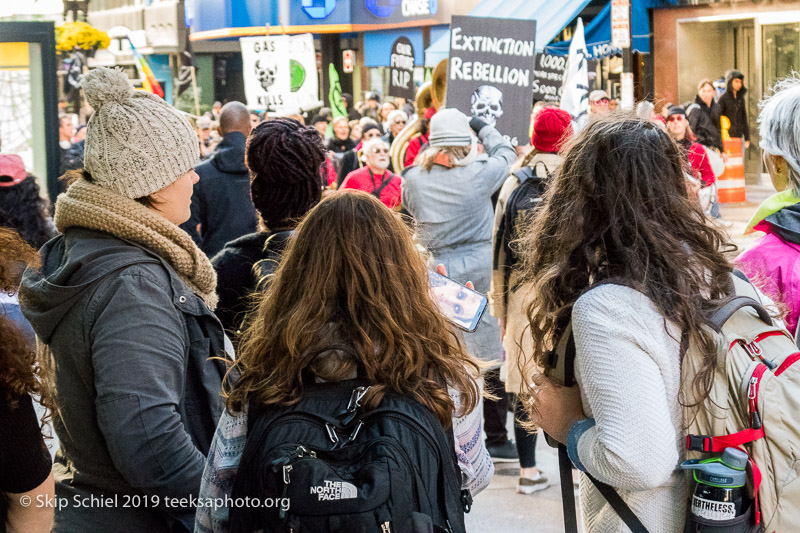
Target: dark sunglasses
point(399, 121)
point(380, 151)
point(674, 118)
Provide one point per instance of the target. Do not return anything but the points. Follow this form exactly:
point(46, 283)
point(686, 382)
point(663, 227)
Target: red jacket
point(701, 168)
point(414, 146)
point(362, 180)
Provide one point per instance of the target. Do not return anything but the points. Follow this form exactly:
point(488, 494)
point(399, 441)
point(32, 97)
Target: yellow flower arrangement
point(81, 35)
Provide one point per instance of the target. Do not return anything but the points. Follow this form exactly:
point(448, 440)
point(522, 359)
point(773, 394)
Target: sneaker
point(503, 453)
point(527, 485)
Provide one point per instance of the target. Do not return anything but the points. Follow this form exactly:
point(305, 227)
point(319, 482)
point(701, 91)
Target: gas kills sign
point(491, 77)
point(280, 73)
point(401, 69)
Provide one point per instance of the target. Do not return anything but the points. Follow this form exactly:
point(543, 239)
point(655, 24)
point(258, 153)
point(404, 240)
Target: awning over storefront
point(598, 33)
point(550, 17)
point(378, 46)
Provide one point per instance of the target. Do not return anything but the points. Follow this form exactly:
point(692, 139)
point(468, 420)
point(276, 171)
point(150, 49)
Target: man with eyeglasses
point(375, 177)
point(598, 102)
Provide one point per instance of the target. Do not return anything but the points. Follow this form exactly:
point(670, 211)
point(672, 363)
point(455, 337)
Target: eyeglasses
point(674, 118)
point(400, 122)
point(601, 101)
point(380, 150)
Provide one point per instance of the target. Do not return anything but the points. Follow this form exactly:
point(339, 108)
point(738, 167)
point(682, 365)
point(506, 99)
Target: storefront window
point(781, 51)
point(22, 120)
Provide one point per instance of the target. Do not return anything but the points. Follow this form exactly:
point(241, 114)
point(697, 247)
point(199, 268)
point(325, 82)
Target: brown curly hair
point(21, 373)
point(353, 286)
point(618, 208)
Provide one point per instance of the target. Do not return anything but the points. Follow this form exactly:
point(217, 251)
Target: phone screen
point(463, 307)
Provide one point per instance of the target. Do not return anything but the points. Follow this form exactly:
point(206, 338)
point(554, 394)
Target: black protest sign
point(548, 78)
point(490, 76)
point(401, 69)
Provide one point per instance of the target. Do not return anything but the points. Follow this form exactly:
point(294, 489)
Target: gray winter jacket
point(138, 397)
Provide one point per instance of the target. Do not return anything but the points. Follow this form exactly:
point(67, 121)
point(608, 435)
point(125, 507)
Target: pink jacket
point(773, 263)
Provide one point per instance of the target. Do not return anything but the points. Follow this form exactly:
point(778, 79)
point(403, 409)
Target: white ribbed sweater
point(628, 368)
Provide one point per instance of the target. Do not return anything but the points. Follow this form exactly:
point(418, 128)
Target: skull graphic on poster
point(487, 103)
point(265, 74)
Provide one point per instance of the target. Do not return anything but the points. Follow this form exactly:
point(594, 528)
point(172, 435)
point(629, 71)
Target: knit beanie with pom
point(552, 127)
point(136, 143)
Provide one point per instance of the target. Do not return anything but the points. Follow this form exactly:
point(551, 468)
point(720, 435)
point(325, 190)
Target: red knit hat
point(551, 128)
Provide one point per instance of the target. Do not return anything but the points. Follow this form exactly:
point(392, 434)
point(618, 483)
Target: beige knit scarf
point(90, 206)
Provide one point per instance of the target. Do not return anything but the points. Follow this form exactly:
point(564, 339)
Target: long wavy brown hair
point(351, 296)
point(21, 373)
point(618, 208)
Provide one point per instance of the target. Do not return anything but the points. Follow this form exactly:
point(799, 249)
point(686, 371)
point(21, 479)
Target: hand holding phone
point(460, 304)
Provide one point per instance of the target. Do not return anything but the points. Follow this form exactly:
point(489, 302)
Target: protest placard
point(492, 77)
point(401, 69)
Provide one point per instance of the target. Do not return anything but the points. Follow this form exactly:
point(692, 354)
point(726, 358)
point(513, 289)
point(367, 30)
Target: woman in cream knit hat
point(123, 309)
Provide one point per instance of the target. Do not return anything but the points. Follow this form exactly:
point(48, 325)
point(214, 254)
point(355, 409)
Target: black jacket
point(138, 393)
point(236, 277)
point(704, 121)
point(338, 146)
point(734, 108)
point(221, 203)
point(347, 164)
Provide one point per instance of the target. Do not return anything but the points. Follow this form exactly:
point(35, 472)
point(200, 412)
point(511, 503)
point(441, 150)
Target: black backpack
point(522, 203)
point(391, 469)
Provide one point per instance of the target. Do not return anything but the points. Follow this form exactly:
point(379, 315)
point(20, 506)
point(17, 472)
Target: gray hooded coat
point(138, 397)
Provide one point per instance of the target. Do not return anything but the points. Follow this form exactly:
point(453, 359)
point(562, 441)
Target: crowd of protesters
point(196, 275)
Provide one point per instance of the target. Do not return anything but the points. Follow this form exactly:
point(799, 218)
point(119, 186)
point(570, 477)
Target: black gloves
point(477, 124)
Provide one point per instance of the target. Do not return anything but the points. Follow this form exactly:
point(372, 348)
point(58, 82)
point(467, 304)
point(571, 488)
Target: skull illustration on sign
point(487, 103)
point(265, 74)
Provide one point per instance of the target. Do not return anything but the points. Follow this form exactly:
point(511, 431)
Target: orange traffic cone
point(730, 185)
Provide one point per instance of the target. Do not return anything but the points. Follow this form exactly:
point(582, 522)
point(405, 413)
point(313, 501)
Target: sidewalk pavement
point(499, 509)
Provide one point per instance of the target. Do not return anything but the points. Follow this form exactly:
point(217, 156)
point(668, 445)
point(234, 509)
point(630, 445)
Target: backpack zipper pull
point(286, 481)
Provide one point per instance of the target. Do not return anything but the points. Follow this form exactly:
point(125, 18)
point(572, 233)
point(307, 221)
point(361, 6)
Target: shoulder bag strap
point(386, 179)
point(565, 467)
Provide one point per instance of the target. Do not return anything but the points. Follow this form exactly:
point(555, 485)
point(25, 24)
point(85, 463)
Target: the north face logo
point(335, 490)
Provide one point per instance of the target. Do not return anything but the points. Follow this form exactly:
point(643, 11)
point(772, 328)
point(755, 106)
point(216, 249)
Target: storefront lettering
point(411, 8)
point(603, 50)
point(477, 71)
point(492, 45)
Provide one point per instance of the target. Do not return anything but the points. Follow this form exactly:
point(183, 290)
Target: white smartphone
point(463, 307)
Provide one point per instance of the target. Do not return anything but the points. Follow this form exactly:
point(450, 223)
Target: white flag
point(575, 91)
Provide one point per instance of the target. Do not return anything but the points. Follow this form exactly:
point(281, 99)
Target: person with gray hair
point(645, 110)
point(772, 261)
point(449, 194)
point(375, 177)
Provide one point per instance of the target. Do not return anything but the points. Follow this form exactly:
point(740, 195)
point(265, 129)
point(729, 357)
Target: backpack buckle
point(355, 398)
point(698, 443)
point(466, 500)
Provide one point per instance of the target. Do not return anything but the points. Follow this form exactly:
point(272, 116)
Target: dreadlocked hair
point(24, 209)
point(618, 208)
point(284, 159)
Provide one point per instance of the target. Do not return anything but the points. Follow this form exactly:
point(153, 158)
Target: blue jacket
point(221, 204)
point(139, 398)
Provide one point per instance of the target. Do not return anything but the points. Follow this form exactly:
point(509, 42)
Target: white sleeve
point(620, 339)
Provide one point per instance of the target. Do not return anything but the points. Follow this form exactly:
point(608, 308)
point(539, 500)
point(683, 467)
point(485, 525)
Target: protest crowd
point(232, 323)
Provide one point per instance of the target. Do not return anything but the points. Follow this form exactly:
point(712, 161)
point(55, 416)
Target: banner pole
point(194, 91)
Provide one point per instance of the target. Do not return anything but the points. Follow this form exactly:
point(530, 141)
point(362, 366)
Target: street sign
point(621, 23)
point(348, 61)
point(490, 73)
point(401, 69)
